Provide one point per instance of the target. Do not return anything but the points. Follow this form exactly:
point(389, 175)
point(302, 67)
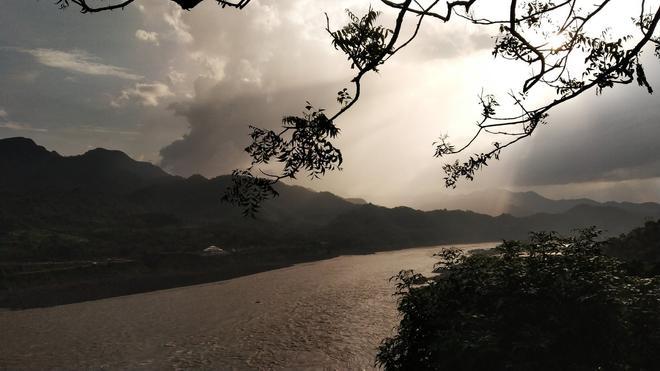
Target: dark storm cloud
point(612, 138)
point(219, 125)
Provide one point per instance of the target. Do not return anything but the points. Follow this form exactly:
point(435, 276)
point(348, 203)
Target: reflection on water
point(330, 314)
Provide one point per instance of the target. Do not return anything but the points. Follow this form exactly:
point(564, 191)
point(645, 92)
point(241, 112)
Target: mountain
point(198, 198)
point(357, 201)
point(497, 202)
point(27, 166)
point(372, 225)
point(641, 245)
point(101, 180)
point(103, 203)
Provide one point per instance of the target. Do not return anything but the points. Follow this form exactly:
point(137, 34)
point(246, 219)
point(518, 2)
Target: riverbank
point(43, 284)
point(24, 287)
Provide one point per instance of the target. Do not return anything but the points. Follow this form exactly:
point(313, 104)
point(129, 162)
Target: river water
point(330, 314)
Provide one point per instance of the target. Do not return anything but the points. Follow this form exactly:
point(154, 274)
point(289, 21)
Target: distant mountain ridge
point(28, 166)
point(104, 202)
point(521, 204)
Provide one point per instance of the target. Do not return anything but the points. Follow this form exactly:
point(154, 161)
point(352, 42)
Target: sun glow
point(556, 41)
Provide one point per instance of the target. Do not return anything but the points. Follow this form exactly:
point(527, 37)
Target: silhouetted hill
point(639, 245)
point(649, 208)
point(104, 203)
point(496, 202)
point(27, 166)
point(13, 151)
point(357, 201)
point(199, 198)
point(611, 220)
point(371, 225)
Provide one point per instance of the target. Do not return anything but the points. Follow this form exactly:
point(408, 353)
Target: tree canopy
point(553, 303)
point(565, 49)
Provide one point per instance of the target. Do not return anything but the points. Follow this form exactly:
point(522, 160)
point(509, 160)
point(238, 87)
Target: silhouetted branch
point(607, 63)
point(304, 144)
point(184, 4)
point(85, 8)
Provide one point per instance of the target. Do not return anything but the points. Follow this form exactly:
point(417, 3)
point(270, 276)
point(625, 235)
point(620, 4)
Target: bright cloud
point(180, 28)
point(146, 36)
point(175, 76)
point(144, 94)
point(20, 127)
point(213, 67)
point(78, 61)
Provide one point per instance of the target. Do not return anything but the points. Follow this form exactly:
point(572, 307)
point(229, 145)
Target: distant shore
point(84, 281)
point(43, 284)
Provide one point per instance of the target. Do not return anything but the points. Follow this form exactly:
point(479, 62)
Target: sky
point(180, 89)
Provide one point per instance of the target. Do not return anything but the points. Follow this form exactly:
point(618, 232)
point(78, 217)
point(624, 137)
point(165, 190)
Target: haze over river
point(330, 314)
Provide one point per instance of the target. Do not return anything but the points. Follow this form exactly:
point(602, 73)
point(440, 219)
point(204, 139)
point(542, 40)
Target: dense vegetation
point(552, 303)
point(640, 249)
point(185, 215)
point(104, 204)
point(84, 224)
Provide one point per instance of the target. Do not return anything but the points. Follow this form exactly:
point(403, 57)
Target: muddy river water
point(329, 314)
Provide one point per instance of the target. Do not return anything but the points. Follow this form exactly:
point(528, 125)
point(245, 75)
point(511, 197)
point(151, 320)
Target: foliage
point(566, 52)
point(564, 48)
point(640, 248)
point(552, 303)
point(583, 60)
point(362, 40)
point(302, 144)
point(95, 6)
point(248, 191)
point(308, 148)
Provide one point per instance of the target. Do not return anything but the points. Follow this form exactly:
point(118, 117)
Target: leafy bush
point(640, 248)
point(552, 303)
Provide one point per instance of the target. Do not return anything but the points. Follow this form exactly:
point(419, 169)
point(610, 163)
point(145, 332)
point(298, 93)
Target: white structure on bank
point(215, 250)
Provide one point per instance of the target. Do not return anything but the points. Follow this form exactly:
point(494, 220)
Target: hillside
point(102, 224)
point(27, 167)
point(521, 204)
point(103, 203)
point(641, 245)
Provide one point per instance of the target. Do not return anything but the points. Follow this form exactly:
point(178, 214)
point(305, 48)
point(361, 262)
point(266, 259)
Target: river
point(330, 314)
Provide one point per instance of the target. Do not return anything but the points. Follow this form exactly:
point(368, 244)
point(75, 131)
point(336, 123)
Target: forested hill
point(27, 167)
point(497, 201)
point(103, 203)
point(641, 246)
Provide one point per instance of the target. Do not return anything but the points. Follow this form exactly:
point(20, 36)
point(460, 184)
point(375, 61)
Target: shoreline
point(120, 276)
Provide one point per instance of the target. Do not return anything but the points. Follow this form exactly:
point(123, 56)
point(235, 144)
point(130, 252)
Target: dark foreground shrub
point(553, 303)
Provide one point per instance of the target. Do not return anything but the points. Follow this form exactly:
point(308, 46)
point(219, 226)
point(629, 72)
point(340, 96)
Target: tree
point(576, 60)
point(85, 6)
point(553, 303)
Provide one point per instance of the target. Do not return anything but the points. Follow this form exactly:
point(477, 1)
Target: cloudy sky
point(180, 88)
